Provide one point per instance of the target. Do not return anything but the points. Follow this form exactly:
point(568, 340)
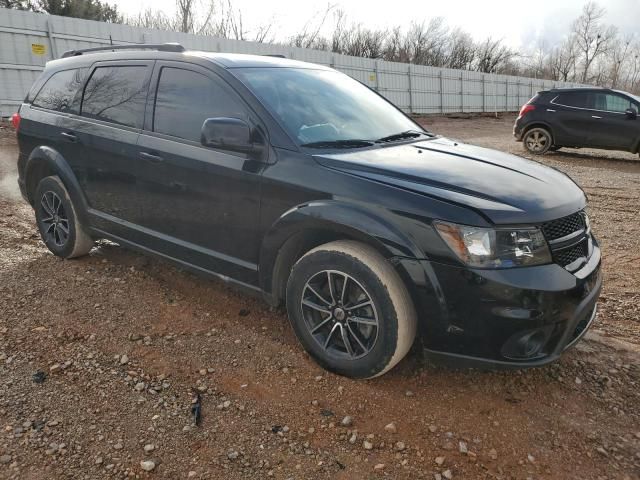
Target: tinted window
point(612, 103)
point(192, 98)
point(116, 94)
point(62, 91)
point(575, 99)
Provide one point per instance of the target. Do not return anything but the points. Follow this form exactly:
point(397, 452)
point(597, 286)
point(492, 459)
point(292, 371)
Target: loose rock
point(147, 465)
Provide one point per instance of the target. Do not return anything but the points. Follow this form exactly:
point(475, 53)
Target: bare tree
point(309, 35)
point(491, 55)
point(593, 38)
point(462, 50)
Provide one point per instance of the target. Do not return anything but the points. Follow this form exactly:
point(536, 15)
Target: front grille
point(569, 255)
point(556, 229)
point(564, 226)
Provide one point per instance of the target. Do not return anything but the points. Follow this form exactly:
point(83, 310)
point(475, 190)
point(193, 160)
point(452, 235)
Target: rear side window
point(575, 99)
point(62, 91)
point(116, 94)
point(612, 103)
point(185, 99)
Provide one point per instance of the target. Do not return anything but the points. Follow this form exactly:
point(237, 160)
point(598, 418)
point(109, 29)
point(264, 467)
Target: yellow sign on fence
point(38, 49)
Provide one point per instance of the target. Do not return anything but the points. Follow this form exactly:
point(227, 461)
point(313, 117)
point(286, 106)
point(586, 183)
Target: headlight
point(495, 248)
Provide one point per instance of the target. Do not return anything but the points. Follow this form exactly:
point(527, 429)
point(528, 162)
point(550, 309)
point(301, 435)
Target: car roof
point(224, 60)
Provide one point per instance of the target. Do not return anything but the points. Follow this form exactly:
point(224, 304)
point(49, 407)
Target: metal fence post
point(441, 92)
point(52, 40)
point(462, 92)
point(375, 69)
point(410, 89)
point(484, 93)
point(506, 95)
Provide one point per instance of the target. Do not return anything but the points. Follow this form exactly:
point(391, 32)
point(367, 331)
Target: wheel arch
point(45, 161)
point(308, 226)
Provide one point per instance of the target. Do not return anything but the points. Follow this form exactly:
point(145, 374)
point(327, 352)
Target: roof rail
point(162, 47)
point(274, 55)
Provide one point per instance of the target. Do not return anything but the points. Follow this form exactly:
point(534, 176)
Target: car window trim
point(583, 108)
point(254, 119)
point(118, 63)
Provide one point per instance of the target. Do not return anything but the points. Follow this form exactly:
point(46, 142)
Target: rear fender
point(44, 161)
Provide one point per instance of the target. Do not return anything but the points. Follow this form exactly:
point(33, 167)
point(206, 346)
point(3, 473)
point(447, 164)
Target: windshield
point(323, 107)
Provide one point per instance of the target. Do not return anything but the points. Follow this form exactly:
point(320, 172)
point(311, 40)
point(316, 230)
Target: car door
point(200, 205)
point(570, 118)
point(614, 129)
point(105, 138)
point(53, 108)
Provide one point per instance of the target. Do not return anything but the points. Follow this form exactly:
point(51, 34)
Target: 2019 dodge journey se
point(295, 181)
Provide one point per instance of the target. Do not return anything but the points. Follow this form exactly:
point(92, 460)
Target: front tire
point(350, 309)
point(537, 141)
point(58, 223)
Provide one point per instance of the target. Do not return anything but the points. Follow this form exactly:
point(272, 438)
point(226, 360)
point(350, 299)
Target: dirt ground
point(99, 358)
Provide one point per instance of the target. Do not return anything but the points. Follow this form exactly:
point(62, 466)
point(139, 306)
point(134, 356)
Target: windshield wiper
point(401, 136)
point(350, 143)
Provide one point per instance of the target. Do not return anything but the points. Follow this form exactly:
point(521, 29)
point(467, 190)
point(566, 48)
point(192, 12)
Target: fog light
point(527, 344)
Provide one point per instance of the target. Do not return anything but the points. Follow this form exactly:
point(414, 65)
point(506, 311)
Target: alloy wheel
point(340, 314)
point(54, 219)
point(537, 141)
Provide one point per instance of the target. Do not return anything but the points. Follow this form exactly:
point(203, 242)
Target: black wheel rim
point(55, 223)
point(340, 315)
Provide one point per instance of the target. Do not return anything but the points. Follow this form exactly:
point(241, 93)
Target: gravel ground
point(101, 358)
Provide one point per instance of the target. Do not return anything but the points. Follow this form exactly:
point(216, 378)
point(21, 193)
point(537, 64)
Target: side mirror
point(631, 113)
point(228, 134)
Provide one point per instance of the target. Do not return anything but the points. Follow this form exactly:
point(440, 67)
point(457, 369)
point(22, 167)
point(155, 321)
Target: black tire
point(57, 221)
point(537, 141)
point(368, 350)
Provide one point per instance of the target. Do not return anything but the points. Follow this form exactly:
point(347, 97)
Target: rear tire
point(58, 223)
point(350, 309)
point(537, 141)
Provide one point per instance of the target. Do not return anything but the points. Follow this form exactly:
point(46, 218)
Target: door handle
point(550, 110)
point(69, 136)
point(150, 157)
point(595, 116)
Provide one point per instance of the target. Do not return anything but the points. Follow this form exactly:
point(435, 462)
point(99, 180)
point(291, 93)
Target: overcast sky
point(518, 23)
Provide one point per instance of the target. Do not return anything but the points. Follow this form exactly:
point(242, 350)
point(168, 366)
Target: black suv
point(579, 117)
point(297, 182)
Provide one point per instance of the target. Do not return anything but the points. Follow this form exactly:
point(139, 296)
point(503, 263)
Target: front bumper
point(521, 317)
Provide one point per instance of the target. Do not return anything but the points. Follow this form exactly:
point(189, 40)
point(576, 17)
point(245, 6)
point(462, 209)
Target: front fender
point(45, 160)
point(343, 220)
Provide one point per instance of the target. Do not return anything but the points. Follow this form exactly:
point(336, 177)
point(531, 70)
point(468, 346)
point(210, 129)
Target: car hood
point(505, 188)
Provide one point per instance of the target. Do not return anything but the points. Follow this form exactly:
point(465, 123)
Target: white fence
point(28, 40)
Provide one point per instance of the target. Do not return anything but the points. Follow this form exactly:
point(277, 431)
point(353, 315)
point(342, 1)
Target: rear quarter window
point(117, 94)
point(62, 91)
